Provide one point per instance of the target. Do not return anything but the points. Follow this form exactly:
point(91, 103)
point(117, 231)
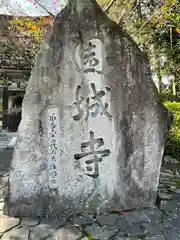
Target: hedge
point(172, 147)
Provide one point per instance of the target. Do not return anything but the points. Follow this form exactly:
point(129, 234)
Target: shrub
point(172, 147)
point(168, 97)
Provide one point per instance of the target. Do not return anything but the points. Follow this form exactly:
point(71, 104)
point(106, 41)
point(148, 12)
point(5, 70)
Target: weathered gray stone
point(153, 215)
point(165, 195)
point(5, 177)
point(171, 233)
point(178, 197)
point(82, 220)
point(4, 174)
point(156, 238)
point(108, 219)
point(66, 234)
point(100, 233)
point(55, 223)
point(152, 228)
point(1, 205)
point(3, 183)
point(29, 222)
point(136, 231)
point(171, 163)
point(173, 221)
point(17, 234)
point(8, 223)
point(124, 238)
point(40, 232)
point(123, 224)
point(93, 129)
point(2, 192)
point(169, 205)
point(136, 217)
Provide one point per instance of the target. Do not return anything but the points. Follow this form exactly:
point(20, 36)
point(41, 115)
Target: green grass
point(173, 142)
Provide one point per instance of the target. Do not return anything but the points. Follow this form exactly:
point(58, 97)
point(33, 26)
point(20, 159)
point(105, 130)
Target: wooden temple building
point(17, 54)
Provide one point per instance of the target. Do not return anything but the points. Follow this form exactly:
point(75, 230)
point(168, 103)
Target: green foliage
point(167, 96)
point(29, 26)
point(173, 142)
point(155, 27)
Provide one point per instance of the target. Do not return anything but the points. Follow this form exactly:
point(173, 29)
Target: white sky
point(27, 7)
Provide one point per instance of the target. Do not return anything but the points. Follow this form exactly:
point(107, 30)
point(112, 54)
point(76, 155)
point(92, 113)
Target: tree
point(22, 35)
point(155, 27)
point(153, 24)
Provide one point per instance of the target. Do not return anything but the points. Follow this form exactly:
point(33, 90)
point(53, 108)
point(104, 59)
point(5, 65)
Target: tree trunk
point(173, 87)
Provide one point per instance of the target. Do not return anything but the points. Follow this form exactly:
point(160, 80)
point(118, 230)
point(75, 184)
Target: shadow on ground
point(5, 159)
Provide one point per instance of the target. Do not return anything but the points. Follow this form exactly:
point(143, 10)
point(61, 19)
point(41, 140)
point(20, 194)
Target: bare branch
point(44, 8)
point(19, 49)
point(8, 9)
point(109, 5)
point(125, 11)
point(158, 7)
point(122, 15)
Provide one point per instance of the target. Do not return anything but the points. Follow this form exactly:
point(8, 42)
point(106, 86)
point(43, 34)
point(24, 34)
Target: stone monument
point(93, 130)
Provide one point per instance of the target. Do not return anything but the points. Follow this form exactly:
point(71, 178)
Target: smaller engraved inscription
point(95, 154)
point(53, 153)
point(94, 108)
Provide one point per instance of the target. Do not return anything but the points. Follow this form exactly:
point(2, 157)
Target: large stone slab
point(93, 130)
point(17, 233)
point(7, 223)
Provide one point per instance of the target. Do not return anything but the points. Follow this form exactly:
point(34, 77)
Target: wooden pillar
point(5, 107)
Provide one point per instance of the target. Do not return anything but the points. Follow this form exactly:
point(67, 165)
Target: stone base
point(54, 207)
point(150, 223)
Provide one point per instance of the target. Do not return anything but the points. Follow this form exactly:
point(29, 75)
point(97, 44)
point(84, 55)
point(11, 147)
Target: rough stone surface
point(124, 238)
point(57, 223)
point(136, 217)
point(1, 192)
point(93, 130)
point(42, 231)
point(83, 220)
point(155, 238)
point(169, 205)
point(172, 233)
point(153, 215)
point(17, 234)
point(1, 205)
point(152, 228)
point(101, 233)
point(108, 219)
point(8, 223)
point(130, 225)
point(136, 230)
point(65, 234)
point(3, 183)
point(29, 222)
point(123, 224)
